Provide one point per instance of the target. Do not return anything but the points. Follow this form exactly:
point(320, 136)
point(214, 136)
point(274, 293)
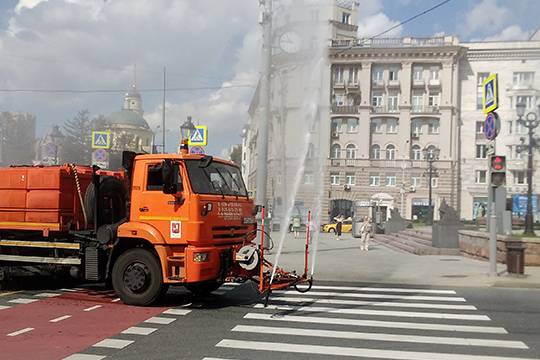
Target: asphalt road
point(336, 320)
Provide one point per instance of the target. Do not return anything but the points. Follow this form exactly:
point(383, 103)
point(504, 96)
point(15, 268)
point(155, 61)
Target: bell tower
point(132, 99)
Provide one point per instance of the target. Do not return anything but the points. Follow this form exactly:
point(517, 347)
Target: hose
point(78, 185)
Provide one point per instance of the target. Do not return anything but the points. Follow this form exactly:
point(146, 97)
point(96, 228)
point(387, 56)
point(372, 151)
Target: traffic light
point(497, 167)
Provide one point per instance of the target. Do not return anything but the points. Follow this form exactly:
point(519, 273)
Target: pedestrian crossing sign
point(101, 139)
point(199, 136)
point(490, 95)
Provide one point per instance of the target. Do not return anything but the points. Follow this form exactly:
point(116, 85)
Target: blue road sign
point(519, 204)
point(199, 136)
point(490, 95)
point(196, 150)
point(491, 126)
point(101, 139)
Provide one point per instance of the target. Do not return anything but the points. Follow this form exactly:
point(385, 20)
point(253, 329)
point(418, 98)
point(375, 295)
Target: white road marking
point(60, 318)
point(114, 343)
point(19, 332)
point(415, 314)
point(381, 324)
point(234, 284)
point(47, 295)
point(115, 300)
point(373, 303)
point(380, 336)
point(69, 290)
point(376, 296)
point(353, 352)
point(136, 330)
point(84, 357)
point(93, 308)
point(176, 312)
point(376, 289)
point(2, 307)
point(159, 320)
point(213, 358)
point(23, 301)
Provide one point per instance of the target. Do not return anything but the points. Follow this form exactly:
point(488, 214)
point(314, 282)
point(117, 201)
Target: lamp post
point(56, 136)
point(431, 154)
point(531, 123)
point(186, 129)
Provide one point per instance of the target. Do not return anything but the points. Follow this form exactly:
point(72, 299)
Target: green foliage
point(236, 155)
point(77, 145)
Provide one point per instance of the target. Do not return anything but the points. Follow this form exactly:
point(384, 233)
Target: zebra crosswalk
point(368, 322)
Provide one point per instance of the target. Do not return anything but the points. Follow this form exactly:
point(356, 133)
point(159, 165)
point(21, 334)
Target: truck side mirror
point(170, 174)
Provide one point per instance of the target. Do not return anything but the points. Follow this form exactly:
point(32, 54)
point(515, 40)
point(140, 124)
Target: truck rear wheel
point(137, 277)
point(203, 288)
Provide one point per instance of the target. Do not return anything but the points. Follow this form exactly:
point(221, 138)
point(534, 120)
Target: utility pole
point(163, 108)
point(262, 138)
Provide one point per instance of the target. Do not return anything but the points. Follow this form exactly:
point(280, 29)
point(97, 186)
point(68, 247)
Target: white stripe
point(115, 300)
point(356, 352)
point(60, 318)
point(380, 336)
point(376, 289)
point(159, 320)
point(23, 301)
point(93, 308)
point(114, 343)
point(234, 284)
point(2, 307)
point(69, 290)
point(213, 358)
point(375, 296)
point(373, 323)
point(371, 303)
point(84, 357)
point(19, 332)
point(177, 312)
point(136, 330)
point(415, 314)
point(47, 295)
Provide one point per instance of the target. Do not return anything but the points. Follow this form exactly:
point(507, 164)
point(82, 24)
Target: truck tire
point(112, 200)
point(137, 277)
point(203, 288)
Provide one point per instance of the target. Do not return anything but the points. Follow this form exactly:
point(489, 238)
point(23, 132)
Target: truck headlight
point(201, 257)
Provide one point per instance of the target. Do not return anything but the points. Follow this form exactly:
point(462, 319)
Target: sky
point(211, 49)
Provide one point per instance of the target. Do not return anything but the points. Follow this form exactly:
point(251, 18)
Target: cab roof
point(180, 157)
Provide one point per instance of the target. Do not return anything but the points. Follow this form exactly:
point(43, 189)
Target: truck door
point(166, 212)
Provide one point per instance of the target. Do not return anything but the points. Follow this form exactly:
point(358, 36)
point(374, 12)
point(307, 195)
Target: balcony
point(419, 83)
point(428, 109)
point(353, 84)
point(434, 83)
point(393, 83)
point(342, 26)
point(396, 42)
point(376, 83)
point(344, 109)
point(339, 84)
point(384, 109)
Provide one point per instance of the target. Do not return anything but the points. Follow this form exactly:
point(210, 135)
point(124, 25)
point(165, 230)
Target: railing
point(425, 109)
point(394, 42)
point(343, 26)
point(344, 109)
point(384, 109)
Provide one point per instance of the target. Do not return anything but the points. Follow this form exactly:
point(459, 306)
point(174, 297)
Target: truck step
point(40, 259)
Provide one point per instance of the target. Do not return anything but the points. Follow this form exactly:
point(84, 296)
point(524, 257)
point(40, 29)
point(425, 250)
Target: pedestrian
point(339, 225)
point(296, 223)
point(366, 231)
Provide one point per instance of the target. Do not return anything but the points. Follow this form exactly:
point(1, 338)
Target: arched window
point(432, 151)
point(416, 152)
point(335, 152)
point(351, 151)
point(390, 152)
point(375, 152)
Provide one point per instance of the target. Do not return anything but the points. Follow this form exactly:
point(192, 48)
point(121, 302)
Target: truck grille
point(229, 232)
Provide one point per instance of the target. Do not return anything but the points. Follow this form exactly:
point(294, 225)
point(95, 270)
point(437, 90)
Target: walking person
point(339, 225)
point(366, 231)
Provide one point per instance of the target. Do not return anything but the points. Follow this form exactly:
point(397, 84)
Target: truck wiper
point(235, 182)
point(211, 183)
point(225, 181)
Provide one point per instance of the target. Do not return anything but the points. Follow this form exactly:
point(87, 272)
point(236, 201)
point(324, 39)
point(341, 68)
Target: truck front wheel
point(137, 278)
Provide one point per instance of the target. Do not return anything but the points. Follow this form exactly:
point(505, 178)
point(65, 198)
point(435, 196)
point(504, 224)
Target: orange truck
point(165, 219)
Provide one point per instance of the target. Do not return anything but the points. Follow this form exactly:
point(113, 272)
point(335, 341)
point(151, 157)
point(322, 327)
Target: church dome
point(127, 117)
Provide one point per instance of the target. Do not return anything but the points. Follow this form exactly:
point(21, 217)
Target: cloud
point(377, 23)
point(27, 4)
point(485, 16)
point(512, 32)
point(368, 8)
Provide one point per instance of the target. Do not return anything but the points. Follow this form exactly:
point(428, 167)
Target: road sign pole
point(493, 233)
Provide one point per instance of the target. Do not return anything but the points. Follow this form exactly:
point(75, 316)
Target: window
point(376, 126)
point(390, 152)
point(509, 125)
point(523, 79)
point(435, 72)
point(416, 152)
point(527, 100)
point(334, 178)
point(377, 74)
point(392, 102)
point(520, 128)
point(519, 178)
point(481, 176)
point(391, 126)
point(375, 152)
point(308, 178)
point(434, 99)
point(417, 102)
point(479, 127)
point(481, 77)
point(350, 179)
point(374, 180)
point(346, 18)
point(481, 151)
point(431, 150)
point(391, 180)
point(352, 125)
point(434, 182)
point(338, 74)
point(353, 75)
point(377, 99)
point(341, 99)
point(154, 181)
point(433, 127)
point(351, 151)
point(335, 151)
point(416, 181)
point(393, 74)
point(418, 73)
point(416, 128)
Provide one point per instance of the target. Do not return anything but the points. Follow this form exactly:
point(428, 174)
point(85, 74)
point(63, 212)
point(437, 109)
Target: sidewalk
point(344, 261)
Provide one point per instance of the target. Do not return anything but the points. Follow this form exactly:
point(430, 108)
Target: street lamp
point(186, 129)
point(431, 154)
point(531, 123)
point(56, 136)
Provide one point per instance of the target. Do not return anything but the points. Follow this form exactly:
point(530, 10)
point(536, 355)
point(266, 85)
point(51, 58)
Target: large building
point(385, 105)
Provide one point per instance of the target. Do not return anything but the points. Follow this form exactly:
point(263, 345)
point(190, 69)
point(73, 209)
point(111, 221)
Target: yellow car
point(331, 228)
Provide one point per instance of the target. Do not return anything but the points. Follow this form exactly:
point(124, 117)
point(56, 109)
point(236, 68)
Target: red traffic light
point(498, 163)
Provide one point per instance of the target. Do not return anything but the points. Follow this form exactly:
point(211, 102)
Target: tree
point(77, 146)
point(236, 155)
point(17, 138)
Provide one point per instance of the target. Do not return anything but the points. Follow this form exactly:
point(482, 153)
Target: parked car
point(331, 227)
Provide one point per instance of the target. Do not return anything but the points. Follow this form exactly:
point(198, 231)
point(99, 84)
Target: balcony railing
point(344, 109)
point(428, 109)
point(434, 82)
point(395, 42)
point(384, 109)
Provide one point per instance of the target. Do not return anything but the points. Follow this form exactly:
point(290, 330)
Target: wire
point(98, 91)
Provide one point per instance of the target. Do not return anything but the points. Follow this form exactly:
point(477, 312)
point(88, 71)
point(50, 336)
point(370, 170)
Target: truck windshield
point(216, 178)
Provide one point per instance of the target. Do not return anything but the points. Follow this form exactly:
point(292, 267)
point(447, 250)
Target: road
point(336, 320)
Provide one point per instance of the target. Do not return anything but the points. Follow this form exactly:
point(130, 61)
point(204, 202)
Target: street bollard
point(515, 257)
